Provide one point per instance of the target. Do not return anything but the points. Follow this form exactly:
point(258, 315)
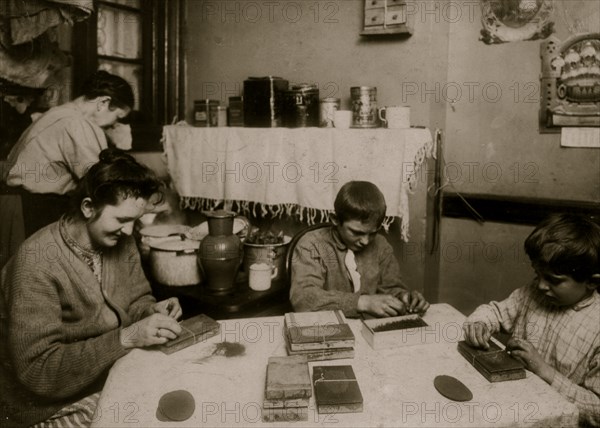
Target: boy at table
point(555, 320)
point(349, 265)
point(74, 299)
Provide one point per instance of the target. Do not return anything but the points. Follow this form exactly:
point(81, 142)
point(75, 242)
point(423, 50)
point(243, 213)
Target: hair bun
point(98, 80)
point(112, 155)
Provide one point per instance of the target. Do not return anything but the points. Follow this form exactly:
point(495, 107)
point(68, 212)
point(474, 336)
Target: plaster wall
point(485, 98)
point(309, 42)
point(318, 42)
point(493, 146)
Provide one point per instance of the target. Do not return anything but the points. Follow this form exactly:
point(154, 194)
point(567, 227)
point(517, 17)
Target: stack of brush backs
point(287, 389)
point(323, 335)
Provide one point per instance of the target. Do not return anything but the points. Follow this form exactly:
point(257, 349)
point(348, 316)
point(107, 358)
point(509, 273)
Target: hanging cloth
point(25, 20)
point(34, 64)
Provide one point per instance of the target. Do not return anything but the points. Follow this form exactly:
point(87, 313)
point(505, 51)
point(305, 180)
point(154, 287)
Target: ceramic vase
point(220, 253)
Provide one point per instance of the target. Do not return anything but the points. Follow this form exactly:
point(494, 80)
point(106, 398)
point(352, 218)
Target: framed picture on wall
point(570, 82)
point(515, 20)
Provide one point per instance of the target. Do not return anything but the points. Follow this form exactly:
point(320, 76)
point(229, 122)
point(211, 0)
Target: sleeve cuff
point(350, 307)
point(115, 346)
point(481, 315)
point(561, 383)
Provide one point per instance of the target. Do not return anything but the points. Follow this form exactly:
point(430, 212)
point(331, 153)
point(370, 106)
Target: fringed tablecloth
point(295, 172)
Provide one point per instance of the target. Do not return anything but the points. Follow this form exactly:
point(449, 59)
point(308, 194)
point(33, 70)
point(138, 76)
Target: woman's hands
point(159, 326)
point(169, 307)
point(153, 330)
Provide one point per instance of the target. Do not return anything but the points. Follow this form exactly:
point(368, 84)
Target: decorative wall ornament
point(385, 17)
point(570, 82)
point(515, 20)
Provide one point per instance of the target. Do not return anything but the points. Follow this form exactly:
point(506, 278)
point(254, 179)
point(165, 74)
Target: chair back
point(290, 250)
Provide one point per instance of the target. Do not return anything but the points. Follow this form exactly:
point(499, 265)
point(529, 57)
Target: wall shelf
point(387, 17)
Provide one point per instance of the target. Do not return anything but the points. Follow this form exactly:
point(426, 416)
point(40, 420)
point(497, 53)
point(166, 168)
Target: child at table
point(555, 320)
point(349, 266)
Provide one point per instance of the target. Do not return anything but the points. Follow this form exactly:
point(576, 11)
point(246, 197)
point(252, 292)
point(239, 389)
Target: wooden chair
point(290, 250)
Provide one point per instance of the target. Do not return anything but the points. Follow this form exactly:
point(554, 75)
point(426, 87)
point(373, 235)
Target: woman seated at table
point(74, 299)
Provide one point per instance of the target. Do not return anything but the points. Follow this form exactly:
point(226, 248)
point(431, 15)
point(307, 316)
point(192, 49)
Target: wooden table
point(396, 383)
point(241, 302)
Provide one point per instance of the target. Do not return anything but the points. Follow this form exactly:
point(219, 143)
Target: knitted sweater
point(59, 328)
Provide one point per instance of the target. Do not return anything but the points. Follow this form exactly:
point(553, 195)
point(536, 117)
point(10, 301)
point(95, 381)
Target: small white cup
point(342, 119)
point(260, 276)
point(395, 117)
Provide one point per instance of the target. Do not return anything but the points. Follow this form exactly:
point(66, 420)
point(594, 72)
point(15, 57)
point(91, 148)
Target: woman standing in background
point(55, 151)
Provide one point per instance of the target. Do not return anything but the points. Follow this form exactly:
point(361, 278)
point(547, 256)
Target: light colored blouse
point(55, 151)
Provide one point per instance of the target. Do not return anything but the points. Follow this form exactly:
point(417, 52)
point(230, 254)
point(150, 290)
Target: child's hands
point(530, 357)
point(381, 305)
point(477, 334)
point(414, 302)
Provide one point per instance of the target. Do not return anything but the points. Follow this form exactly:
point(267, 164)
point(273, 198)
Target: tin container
point(236, 111)
point(213, 116)
point(263, 100)
point(328, 107)
point(301, 106)
point(364, 107)
point(205, 113)
point(221, 116)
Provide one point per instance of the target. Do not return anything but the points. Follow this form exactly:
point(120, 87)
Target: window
point(141, 41)
point(119, 39)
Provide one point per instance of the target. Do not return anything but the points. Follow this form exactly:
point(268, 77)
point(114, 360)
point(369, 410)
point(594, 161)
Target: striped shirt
point(567, 338)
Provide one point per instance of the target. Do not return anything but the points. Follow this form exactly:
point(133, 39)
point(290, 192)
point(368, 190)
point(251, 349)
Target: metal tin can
point(236, 111)
point(301, 106)
point(205, 112)
point(263, 99)
point(221, 116)
point(328, 107)
point(364, 107)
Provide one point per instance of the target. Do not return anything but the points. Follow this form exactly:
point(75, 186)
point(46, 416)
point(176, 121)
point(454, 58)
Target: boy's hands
point(524, 351)
point(385, 305)
point(414, 302)
point(477, 334)
point(381, 305)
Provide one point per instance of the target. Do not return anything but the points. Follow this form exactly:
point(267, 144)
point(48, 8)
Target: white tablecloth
point(397, 384)
point(293, 171)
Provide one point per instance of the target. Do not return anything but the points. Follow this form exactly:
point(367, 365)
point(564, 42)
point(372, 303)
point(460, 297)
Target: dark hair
point(102, 83)
point(360, 200)
point(566, 244)
point(114, 177)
